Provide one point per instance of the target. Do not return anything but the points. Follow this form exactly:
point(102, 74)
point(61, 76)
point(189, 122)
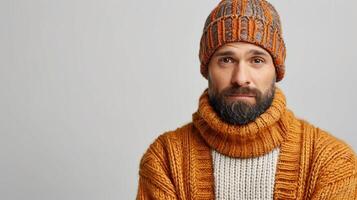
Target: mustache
point(241, 91)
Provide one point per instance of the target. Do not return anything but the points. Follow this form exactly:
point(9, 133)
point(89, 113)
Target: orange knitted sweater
point(312, 164)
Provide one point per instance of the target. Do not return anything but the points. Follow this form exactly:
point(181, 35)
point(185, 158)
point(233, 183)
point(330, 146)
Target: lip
point(241, 95)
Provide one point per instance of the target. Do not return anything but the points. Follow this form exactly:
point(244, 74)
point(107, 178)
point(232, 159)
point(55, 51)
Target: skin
point(241, 64)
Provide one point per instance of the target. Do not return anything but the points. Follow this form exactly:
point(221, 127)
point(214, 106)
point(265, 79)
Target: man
point(243, 142)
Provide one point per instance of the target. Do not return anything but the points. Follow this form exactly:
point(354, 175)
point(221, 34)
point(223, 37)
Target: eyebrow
point(258, 53)
point(224, 53)
point(250, 52)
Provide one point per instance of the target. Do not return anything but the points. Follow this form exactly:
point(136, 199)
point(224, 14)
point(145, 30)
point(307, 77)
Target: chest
point(249, 178)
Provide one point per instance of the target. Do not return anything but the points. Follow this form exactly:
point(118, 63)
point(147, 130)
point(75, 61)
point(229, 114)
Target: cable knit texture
point(312, 164)
point(252, 21)
point(250, 140)
point(244, 178)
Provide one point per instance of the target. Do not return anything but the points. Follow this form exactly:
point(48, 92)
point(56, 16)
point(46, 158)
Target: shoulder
point(331, 157)
point(172, 138)
point(323, 141)
point(165, 146)
point(160, 164)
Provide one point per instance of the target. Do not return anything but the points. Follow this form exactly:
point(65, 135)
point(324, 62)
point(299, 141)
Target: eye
point(258, 60)
point(226, 60)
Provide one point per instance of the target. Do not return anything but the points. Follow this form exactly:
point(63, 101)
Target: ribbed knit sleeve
point(154, 179)
point(335, 171)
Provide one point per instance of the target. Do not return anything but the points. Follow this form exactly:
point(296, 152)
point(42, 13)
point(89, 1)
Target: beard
point(240, 112)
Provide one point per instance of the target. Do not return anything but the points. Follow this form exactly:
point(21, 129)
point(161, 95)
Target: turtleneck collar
point(254, 139)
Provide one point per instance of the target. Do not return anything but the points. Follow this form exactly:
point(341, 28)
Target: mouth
point(241, 95)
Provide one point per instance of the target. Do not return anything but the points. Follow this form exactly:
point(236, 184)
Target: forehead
point(241, 48)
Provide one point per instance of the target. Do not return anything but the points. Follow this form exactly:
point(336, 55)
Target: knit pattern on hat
point(252, 21)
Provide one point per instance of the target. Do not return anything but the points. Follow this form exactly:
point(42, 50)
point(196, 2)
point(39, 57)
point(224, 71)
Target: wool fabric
point(252, 21)
point(312, 164)
point(244, 178)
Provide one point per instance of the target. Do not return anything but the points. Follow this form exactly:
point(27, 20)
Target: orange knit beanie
point(253, 21)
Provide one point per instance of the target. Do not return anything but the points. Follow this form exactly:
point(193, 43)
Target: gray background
point(87, 85)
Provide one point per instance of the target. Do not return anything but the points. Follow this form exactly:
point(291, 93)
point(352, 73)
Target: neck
point(254, 139)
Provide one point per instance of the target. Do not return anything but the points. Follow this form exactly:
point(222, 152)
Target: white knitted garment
point(250, 179)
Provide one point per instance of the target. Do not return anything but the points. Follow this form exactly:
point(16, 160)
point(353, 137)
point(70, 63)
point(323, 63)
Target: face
point(241, 80)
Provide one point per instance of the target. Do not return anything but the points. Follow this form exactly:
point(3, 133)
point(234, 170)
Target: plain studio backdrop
point(87, 85)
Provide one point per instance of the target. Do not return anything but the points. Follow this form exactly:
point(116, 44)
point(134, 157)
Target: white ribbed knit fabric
point(245, 179)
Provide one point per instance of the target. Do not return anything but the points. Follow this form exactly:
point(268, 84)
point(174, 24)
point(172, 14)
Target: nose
point(240, 75)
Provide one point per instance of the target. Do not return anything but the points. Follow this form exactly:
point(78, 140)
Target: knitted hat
point(253, 21)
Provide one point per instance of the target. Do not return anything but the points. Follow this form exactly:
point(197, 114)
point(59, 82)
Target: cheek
point(219, 79)
point(264, 79)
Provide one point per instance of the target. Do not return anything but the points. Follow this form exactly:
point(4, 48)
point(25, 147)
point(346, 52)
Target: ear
point(209, 80)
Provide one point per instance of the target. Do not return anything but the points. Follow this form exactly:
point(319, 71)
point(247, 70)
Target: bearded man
point(243, 142)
